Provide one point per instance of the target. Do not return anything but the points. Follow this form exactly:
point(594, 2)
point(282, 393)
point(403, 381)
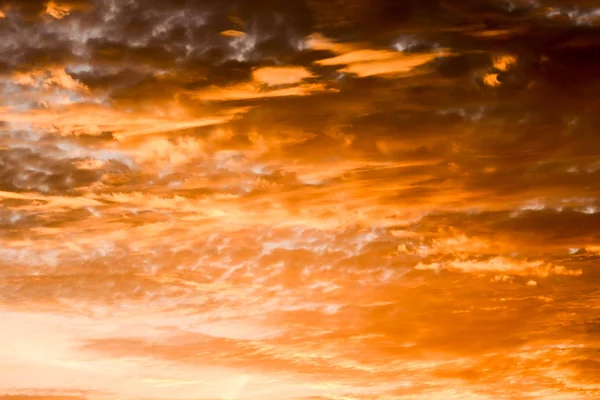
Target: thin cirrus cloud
point(299, 200)
point(379, 62)
point(369, 62)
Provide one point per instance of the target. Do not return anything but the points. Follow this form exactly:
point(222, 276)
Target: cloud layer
point(309, 199)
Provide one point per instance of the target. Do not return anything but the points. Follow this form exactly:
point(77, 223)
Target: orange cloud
point(502, 264)
point(190, 211)
point(92, 119)
point(232, 33)
point(504, 62)
point(57, 11)
point(280, 75)
point(491, 80)
point(250, 91)
point(367, 62)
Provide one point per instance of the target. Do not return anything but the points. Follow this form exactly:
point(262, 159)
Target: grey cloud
point(26, 169)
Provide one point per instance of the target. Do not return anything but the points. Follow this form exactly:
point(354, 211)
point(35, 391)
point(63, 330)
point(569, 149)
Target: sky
point(299, 200)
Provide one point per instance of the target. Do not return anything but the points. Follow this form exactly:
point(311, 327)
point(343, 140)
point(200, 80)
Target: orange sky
point(299, 200)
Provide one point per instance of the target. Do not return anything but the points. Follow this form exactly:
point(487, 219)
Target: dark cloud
point(551, 226)
point(27, 170)
point(27, 8)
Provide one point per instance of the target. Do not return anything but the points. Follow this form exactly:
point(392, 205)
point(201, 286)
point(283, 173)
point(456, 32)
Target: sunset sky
point(299, 199)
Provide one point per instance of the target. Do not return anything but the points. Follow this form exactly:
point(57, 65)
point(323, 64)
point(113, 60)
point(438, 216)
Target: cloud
point(280, 75)
point(251, 91)
point(501, 264)
point(367, 62)
point(299, 199)
point(491, 80)
point(232, 33)
point(93, 119)
point(57, 10)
